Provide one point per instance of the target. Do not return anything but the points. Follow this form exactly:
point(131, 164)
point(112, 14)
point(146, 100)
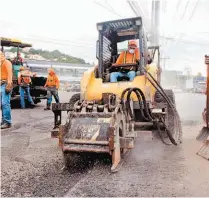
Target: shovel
point(204, 150)
point(204, 133)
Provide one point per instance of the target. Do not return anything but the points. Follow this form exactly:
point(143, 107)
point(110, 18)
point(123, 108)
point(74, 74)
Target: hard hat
point(51, 71)
point(132, 42)
point(22, 68)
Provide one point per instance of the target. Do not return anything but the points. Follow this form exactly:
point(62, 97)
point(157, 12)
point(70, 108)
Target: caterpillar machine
point(36, 87)
point(203, 136)
point(103, 117)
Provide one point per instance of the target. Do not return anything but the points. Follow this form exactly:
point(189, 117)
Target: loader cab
point(113, 39)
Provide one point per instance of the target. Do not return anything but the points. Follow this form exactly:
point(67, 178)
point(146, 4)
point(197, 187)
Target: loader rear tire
point(174, 123)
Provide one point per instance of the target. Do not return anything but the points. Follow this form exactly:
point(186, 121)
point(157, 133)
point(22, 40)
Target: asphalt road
point(31, 162)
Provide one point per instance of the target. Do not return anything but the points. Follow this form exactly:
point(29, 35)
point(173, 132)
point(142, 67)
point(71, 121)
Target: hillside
point(55, 55)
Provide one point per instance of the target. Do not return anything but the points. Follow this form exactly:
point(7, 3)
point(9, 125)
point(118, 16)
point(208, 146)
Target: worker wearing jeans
point(24, 81)
point(5, 105)
point(130, 56)
point(114, 75)
point(6, 89)
point(22, 91)
point(52, 85)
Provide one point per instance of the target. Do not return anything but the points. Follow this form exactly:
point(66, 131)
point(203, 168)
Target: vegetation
point(52, 55)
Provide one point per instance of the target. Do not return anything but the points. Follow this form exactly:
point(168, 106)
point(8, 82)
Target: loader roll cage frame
point(113, 32)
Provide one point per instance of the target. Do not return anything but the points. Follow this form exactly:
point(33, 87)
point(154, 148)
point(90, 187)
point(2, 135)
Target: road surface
point(31, 162)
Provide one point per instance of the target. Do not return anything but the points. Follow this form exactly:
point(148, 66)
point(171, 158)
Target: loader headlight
point(138, 22)
point(99, 27)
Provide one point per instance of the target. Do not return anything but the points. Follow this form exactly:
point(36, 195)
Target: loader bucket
point(204, 150)
point(87, 133)
point(203, 135)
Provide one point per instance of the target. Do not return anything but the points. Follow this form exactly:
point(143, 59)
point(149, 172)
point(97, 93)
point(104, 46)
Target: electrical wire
point(61, 40)
point(59, 43)
point(185, 9)
point(110, 10)
point(193, 11)
point(177, 7)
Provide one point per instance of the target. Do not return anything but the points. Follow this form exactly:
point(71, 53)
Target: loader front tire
point(73, 100)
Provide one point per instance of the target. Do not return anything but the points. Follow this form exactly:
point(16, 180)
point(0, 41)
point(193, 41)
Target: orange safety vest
point(51, 81)
point(133, 58)
point(6, 70)
point(24, 80)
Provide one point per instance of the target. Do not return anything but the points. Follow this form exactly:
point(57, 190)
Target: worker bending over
point(130, 56)
point(6, 89)
point(52, 85)
point(24, 80)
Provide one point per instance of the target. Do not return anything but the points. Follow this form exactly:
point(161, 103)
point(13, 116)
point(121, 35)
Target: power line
point(61, 40)
point(113, 10)
point(187, 41)
point(185, 9)
point(177, 7)
point(194, 10)
point(58, 43)
point(134, 6)
point(110, 10)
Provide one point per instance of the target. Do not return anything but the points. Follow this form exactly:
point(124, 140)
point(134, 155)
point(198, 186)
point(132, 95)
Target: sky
point(70, 26)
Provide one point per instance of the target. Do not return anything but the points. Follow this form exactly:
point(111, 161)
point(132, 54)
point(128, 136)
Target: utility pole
point(155, 22)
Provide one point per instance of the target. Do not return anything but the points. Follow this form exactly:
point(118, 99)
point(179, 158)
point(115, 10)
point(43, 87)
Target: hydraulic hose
point(161, 91)
point(140, 94)
point(139, 100)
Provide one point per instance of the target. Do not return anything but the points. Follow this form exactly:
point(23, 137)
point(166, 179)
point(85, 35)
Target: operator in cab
point(52, 85)
point(129, 56)
point(24, 81)
point(5, 91)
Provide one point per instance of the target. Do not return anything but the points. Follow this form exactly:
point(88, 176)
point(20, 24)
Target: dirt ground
point(31, 161)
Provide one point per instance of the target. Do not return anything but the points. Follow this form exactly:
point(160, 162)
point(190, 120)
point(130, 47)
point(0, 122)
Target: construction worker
point(6, 89)
point(18, 60)
point(129, 56)
point(52, 85)
point(24, 81)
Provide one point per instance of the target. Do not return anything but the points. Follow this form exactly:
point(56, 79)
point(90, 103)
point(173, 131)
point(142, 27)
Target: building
point(35, 57)
point(67, 72)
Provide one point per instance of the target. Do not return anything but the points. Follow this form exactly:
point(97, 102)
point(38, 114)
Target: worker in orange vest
point(52, 85)
point(24, 80)
point(6, 89)
point(130, 56)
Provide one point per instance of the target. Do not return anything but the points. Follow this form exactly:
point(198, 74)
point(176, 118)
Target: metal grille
point(121, 24)
point(106, 51)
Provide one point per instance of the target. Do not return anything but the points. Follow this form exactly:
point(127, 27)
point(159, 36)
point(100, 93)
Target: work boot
point(6, 126)
point(32, 105)
point(47, 107)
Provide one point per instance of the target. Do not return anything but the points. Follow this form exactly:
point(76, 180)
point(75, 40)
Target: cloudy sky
point(70, 26)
